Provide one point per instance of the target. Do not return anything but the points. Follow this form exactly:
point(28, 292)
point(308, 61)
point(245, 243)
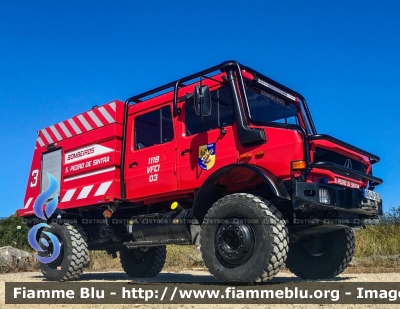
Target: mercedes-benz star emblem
point(348, 164)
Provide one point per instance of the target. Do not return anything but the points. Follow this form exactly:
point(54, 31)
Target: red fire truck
point(226, 158)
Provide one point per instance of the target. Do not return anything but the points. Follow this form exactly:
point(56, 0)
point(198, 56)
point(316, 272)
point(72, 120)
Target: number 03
point(153, 177)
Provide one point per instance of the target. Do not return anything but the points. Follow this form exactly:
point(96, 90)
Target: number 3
point(35, 174)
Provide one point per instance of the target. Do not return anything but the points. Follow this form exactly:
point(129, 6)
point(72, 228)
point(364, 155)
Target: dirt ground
point(191, 276)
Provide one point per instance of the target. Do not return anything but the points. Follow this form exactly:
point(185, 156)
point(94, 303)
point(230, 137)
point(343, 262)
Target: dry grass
point(100, 260)
point(183, 257)
point(382, 240)
point(178, 257)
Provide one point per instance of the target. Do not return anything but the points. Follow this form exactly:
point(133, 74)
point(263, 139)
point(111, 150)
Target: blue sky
point(59, 59)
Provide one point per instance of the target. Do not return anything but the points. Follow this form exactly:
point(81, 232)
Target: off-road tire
point(337, 255)
point(143, 264)
point(74, 254)
point(262, 260)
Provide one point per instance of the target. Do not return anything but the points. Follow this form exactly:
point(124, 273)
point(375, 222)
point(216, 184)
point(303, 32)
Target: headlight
point(324, 196)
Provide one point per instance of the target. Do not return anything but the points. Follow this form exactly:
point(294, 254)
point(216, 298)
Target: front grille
point(321, 155)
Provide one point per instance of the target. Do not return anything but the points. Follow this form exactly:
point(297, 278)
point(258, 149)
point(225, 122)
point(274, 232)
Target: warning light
point(298, 165)
point(174, 205)
point(280, 91)
point(107, 213)
point(247, 155)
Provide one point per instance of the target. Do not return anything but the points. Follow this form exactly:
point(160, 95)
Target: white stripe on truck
point(74, 126)
point(95, 119)
point(28, 202)
point(65, 129)
point(106, 115)
point(55, 132)
point(103, 188)
point(84, 122)
point(85, 192)
point(91, 173)
point(68, 195)
point(47, 136)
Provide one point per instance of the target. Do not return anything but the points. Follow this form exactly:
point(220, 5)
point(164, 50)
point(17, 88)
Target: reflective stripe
point(39, 140)
point(68, 195)
point(74, 126)
point(85, 192)
point(47, 136)
point(103, 188)
point(84, 122)
point(90, 173)
point(65, 129)
point(55, 132)
point(106, 115)
point(95, 119)
point(28, 202)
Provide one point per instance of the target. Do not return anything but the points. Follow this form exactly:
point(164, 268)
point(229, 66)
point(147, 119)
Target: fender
point(209, 192)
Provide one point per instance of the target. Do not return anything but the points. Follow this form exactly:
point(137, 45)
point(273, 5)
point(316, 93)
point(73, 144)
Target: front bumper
point(322, 196)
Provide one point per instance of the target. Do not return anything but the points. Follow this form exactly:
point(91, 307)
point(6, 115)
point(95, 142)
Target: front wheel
point(243, 239)
point(321, 256)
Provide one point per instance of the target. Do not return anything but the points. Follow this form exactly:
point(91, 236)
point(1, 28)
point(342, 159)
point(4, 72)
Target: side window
point(221, 113)
point(153, 128)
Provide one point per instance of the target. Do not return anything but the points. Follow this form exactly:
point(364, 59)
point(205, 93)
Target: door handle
point(185, 151)
point(133, 164)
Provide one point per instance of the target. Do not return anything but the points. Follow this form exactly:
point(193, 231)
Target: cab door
point(203, 147)
point(151, 162)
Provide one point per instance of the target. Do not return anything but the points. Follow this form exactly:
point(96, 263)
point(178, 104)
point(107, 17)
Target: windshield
point(267, 108)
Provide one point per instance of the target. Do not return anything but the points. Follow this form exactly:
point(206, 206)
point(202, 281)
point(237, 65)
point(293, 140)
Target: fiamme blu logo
point(35, 237)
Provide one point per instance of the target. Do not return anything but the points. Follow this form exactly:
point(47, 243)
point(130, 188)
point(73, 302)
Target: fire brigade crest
point(207, 156)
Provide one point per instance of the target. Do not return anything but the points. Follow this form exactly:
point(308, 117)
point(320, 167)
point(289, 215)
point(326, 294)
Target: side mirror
point(202, 101)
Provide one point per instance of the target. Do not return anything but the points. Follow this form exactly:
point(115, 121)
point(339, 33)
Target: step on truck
point(226, 159)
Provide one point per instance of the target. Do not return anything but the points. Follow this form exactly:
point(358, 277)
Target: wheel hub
point(316, 246)
point(49, 250)
point(235, 241)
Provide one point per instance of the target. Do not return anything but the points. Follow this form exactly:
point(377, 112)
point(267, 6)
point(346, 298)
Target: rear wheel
point(243, 239)
point(74, 254)
point(321, 256)
point(141, 263)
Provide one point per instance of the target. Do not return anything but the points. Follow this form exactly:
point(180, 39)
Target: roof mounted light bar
point(284, 93)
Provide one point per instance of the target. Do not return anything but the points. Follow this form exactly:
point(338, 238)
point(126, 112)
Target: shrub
point(13, 232)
